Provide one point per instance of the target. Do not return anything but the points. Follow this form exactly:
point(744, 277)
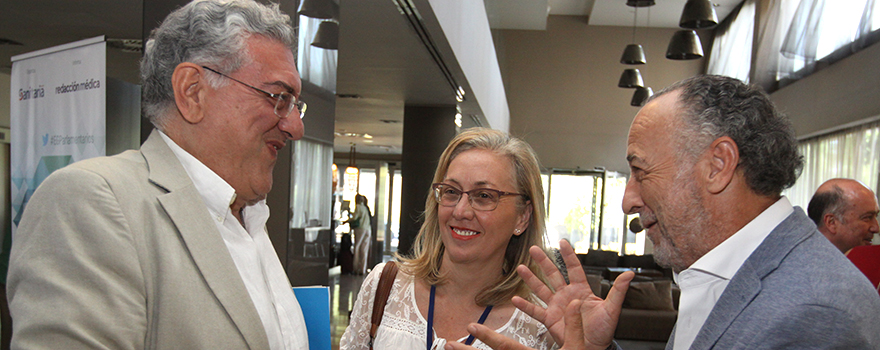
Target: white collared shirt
point(253, 254)
point(703, 282)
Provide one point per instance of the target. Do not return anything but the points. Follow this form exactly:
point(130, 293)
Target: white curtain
point(311, 184)
point(853, 153)
point(773, 26)
point(821, 27)
point(794, 35)
point(316, 65)
point(732, 50)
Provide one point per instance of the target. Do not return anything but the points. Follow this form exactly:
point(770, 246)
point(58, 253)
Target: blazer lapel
point(187, 211)
point(746, 283)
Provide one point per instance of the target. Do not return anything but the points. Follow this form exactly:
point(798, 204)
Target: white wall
point(466, 28)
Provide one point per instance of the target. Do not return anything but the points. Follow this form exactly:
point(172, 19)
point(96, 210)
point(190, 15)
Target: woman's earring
point(517, 231)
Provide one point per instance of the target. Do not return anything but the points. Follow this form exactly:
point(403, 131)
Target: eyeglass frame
point(300, 105)
point(435, 187)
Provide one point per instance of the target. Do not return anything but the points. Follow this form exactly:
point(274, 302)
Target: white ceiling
point(380, 59)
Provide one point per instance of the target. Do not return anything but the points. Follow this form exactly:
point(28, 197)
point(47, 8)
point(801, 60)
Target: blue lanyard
point(470, 338)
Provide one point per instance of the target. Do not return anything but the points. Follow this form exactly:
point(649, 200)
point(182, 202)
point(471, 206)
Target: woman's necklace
point(470, 338)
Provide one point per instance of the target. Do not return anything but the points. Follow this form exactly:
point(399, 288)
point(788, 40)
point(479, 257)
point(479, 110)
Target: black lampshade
point(631, 78)
point(641, 95)
point(327, 36)
point(684, 45)
point(698, 14)
point(639, 3)
point(633, 54)
point(323, 9)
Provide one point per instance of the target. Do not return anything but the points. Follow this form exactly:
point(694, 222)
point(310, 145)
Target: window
point(795, 35)
point(583, 204)
point(821, 27)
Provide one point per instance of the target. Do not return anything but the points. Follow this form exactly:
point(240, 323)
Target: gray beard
point(681, 226)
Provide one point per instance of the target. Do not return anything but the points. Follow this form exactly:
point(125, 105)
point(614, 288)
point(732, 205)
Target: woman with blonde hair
point(485, 209)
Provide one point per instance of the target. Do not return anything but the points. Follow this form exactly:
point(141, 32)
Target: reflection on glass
point(309, 181)
point(315, 65)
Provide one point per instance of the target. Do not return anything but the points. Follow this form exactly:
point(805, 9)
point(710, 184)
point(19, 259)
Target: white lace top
point(403, 326)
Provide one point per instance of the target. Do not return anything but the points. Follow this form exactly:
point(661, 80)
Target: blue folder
point(315, 304)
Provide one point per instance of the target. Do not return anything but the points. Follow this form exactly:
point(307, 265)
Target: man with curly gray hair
point(710, 157)
point(166, 247)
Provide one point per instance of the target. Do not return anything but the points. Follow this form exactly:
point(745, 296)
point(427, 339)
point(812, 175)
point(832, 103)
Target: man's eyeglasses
point(483, 199)
point(284, 101)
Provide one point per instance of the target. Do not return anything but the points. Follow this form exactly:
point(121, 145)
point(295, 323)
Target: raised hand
point(599, 316)
point(574, 334)
point(557, 301)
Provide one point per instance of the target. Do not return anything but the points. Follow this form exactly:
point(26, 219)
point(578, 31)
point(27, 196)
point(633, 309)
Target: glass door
point(574, 207)
point(584, 207)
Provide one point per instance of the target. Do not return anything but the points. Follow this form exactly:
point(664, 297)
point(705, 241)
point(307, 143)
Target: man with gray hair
point(709, 158)
point(166, 247)
point(845, 211)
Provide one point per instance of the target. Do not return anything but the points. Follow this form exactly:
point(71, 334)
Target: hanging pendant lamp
point(684, 45)
point(698, 14)
point(633, 53)
point(639, 3)
point(322, 9)
point(327, 36)
point(352, 173)
point(641, 95)
point(631, 78)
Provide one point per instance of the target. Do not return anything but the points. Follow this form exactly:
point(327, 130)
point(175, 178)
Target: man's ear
point(724, 158)
point(830, 221)
point(188, 82)
point(524, 218)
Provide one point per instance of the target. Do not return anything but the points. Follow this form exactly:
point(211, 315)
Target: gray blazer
point(121, 253)
point(796, 291)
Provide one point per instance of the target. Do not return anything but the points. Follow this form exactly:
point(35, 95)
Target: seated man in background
point(845, 211)
point(166, 247)
point(710, 157)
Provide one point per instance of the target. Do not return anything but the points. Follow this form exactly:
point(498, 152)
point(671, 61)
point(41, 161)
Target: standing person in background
point(166, 247)
point(362, 228)
point(483, 212)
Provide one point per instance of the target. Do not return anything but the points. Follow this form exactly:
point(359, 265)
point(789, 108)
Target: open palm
point(599, 316)
point(557, 294)
point(577, 318)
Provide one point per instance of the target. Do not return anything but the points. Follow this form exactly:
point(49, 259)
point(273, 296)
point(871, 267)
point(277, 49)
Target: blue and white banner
point(58, 112)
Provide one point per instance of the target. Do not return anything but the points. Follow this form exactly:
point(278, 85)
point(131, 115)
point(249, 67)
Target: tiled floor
point(343, 292)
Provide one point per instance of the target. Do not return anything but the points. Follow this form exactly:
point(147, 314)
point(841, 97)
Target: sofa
point(650, 308)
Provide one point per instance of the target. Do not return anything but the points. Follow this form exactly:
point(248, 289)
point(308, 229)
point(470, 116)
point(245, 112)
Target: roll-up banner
point(57, 113)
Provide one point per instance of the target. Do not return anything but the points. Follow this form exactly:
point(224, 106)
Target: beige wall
point(562, 88)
